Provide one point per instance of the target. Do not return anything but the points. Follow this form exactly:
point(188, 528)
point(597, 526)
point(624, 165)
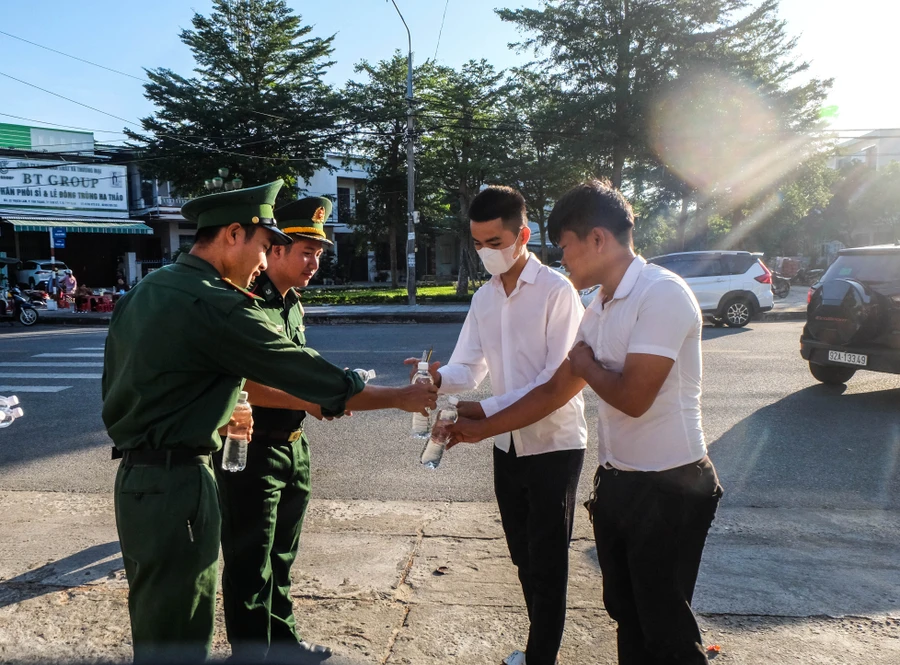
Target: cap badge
point(319, 215)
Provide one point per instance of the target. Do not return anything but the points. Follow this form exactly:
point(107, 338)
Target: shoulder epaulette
point(237, 288)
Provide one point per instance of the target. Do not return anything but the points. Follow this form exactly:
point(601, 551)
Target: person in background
point(68, 284)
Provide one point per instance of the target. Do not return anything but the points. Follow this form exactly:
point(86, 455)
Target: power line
point(441, 31)
point(85, 129)
point(56, 94)
point(109, 69)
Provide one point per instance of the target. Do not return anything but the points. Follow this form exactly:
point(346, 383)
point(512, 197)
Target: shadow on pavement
point(810, 530)
point(90, 565)
point(845, 452)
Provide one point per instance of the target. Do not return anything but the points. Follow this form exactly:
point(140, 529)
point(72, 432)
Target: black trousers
point(650, 529)
point(536, 497)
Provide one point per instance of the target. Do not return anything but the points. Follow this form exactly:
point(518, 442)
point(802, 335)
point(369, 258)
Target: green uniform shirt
point(179, 346)
point(286, 314)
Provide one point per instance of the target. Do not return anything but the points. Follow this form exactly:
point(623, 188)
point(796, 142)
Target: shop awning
point(77, 225)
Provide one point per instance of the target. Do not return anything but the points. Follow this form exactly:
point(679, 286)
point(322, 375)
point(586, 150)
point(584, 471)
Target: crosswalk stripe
point(68, 355)
point(12, 390)
point(88, 348)
point(51, 365)
point(24, 375)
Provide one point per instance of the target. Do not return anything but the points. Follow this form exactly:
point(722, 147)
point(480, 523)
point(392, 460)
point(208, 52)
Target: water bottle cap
point(454, 400)
point(423, 367)
point(244, 396)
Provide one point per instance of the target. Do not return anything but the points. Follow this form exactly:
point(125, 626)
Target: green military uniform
point(179, 347)
point(263, 506)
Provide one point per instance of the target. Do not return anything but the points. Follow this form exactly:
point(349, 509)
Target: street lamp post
point(219, 182)
point(411, 173)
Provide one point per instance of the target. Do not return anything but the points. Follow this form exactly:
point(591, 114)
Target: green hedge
point(380, 296)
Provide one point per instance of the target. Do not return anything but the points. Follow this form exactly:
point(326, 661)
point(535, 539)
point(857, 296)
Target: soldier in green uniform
point(263, 506)
point(179, 347)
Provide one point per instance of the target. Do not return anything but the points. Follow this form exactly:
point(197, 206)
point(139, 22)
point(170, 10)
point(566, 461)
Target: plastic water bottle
point(9, 410)
point(421, 425)
point(434, 449)
point(234, 453)
point(365, 374)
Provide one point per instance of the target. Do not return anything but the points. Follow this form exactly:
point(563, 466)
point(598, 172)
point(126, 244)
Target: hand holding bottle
point(432, 370)
point(240, 430)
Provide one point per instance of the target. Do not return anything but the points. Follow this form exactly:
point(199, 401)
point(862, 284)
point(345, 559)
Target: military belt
point(167, 458)
point(276, 437)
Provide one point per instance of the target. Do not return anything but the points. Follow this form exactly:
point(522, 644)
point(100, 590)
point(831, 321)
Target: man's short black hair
point(206, 235)
point(591, 204)
point(498, 202)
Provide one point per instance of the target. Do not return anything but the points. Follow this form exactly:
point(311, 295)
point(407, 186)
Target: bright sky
point(130, 35)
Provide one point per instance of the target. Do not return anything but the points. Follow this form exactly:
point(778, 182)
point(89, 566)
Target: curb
point(72, 320)
point(337, 318)
point(783, 316)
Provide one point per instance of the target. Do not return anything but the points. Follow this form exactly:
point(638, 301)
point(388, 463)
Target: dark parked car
point(853, 318)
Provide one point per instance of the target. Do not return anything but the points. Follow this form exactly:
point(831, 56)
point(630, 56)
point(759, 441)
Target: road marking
point(51, 365)
point(88, 348)
point(54, 332)
point(22, 375)
point(68, 355)
point(12, 390)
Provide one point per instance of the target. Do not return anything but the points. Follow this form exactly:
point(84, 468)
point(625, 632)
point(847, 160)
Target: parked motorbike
point(807, 277)
point(781, 285)
point(14, 306)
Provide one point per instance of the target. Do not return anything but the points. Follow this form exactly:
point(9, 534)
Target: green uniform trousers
point(169, 528)
point(262, 513)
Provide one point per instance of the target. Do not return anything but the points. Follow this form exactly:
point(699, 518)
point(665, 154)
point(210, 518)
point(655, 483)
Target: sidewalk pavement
point(789, 309)
point(431, 583)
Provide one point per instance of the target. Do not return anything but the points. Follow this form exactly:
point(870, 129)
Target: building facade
point(61, 199)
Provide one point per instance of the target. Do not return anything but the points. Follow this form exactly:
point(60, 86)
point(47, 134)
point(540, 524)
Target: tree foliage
point(376, 110)
point(692, 107)
point(256, 103)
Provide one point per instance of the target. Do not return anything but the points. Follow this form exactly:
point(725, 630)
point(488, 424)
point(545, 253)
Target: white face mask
point(499, 261)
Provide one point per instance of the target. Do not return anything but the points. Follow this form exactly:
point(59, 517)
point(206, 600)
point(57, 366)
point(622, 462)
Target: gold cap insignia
point(319, 215)
point(255, 219)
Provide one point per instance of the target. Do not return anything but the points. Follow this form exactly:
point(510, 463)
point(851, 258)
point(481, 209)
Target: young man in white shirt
point(655, 491)
point(519, 329)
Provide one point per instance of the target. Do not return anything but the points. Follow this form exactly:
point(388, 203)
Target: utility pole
point(411, 173)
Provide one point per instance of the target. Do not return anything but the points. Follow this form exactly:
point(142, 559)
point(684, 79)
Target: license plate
point(857, 359)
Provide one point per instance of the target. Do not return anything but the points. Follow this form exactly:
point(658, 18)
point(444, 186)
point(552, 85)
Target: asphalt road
point(778, 438)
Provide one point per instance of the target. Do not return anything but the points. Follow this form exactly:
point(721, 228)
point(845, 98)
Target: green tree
point(626, 70)
point(537, 162)
point(461, 149)
point(257, 103)
point(376, 112)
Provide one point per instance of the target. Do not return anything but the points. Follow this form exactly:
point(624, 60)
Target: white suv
point(36, 272)
point(731, 287)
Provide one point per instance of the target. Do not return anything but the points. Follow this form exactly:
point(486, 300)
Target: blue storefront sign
point(59, 238)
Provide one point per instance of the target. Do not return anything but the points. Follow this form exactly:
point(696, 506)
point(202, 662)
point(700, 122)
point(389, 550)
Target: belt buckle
point(295, 435)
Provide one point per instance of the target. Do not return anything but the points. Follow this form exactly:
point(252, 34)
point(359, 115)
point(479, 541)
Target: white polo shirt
point(521, 340)
point(653, 312)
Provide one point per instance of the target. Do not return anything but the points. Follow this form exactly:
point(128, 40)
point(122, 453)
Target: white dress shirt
point(652, 312)
point(521, 340)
